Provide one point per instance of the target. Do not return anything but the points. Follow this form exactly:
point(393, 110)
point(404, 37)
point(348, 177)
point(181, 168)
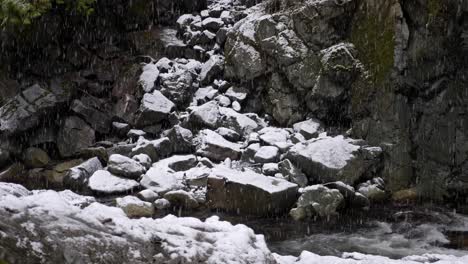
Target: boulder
point(317, 200)
point(273, 135)
point(148, 77)
point(237, 93)
point(270, 169)
point(206, 115)
point(267, 154)
point(328, 159)
point(211, 69)
point(247, 192)
point(162, 204)
point(77, 177)
point(74, 135)
point(27, 109)
point(134, 207)
point(373, 190)
point(125, 167)
point(154, 108)
point(148, 195)
point(35, 158)
point(103, 182)
point(177, 86)
point(121, 129)
point(205, 94)
point(228, 134)
point(309, 128)
point(181, 198)
point(212, 24)
point(143, 159)
point(292, 173)
point(181, 139)
point(94, 111)
point(213, 146)
point(155, 149)
point(238, 122)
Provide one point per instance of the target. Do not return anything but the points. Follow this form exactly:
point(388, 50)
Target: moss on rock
point(373, 35)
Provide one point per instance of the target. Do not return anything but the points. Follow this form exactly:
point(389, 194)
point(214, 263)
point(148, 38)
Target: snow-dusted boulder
point(273, 135)
point(309, 128)
point(211, 69)
point(181, 198)
point(77, 177)
point(154, 108)
point(328, 159)
point(249, 192)
point(206, 115)
point(267, 154)
point(134, 207)
point(104, 182)
point(292, 173)
point(125, 167)
point(317, 200)
point(213, 146)
point(162, 177)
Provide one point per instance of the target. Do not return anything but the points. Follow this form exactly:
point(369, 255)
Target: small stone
point(236, 106)
point(228, 134)
point(309, 128)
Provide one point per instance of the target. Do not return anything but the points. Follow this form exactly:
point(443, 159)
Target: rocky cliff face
point(390, 70)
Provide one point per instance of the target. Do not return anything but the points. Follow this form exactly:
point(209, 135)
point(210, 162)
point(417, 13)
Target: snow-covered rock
point(154, 108)
point(125, 167)
point(213, 146)
point(77, 177)
point(328, 159)
point(104, 182)
point(211, 69)
point(148, 195)
point(317, 200)
point(134, 207)
point(249, 192)
point(181, 198)
point(267, 154)
point(273, 135)
point(206, 115)
point(148, 77)
point(292, 173)
point(309, 128)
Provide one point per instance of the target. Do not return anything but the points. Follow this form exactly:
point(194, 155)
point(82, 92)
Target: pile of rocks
point(189, 135)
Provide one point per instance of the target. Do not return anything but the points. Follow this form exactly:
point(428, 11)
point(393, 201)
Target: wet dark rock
point(36, 158)
point(212, 69)
point(94, 112)
point(74, 135)
point(292, 173)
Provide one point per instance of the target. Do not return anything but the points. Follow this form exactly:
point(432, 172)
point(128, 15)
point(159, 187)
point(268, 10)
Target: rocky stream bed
point(231, 132)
